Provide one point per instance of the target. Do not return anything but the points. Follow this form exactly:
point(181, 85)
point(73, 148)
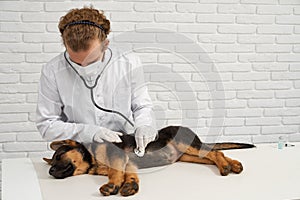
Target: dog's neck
point(98, 168)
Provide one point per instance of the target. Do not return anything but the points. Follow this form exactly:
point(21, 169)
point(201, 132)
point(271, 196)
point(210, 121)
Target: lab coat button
point(100, 118)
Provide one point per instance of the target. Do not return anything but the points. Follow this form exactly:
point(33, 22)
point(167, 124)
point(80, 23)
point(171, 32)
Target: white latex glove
point(143, 136)
point(107, 135)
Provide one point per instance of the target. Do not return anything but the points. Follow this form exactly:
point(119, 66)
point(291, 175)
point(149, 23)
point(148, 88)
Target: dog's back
point(171, 143)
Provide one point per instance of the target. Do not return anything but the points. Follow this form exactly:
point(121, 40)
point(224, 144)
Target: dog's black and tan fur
point(120, 164)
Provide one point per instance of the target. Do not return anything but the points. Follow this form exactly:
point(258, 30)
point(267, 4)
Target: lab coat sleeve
point(49, 120)
point(141, 104)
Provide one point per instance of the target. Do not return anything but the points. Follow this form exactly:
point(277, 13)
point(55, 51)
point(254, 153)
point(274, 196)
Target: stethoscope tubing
point(91, 88)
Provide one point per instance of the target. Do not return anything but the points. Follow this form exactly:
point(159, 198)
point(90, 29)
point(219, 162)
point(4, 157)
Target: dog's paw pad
point(129, 188)
point(109, 189)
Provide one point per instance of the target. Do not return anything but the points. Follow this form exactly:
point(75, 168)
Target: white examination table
point(269, 174)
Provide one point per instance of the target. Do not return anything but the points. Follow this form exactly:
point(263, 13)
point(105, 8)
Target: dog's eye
point(58, 157)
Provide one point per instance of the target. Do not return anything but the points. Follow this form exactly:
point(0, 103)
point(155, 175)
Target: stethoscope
point(91, 87)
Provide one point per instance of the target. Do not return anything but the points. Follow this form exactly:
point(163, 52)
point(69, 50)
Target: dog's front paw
point(129, 188)
point(109, 189)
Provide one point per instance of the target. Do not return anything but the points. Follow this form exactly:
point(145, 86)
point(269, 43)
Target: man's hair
point(78, 36)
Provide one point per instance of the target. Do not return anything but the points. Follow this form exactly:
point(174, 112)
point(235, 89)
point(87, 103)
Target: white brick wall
point(249, 48)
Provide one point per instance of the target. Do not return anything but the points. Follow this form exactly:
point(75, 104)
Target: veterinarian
point(65, 108)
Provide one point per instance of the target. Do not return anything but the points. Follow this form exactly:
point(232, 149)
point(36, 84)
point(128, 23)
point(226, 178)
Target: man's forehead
point(85, 57)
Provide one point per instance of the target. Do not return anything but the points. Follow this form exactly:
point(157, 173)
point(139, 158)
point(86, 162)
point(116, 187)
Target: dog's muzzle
point(62, 171)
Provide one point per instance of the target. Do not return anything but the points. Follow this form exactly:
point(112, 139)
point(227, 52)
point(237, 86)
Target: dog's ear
point(47, 160)
point(56, 144)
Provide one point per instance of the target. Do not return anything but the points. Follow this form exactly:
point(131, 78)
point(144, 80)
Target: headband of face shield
point(85, 22)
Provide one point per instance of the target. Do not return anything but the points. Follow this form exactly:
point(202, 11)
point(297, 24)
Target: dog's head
point(70, 158)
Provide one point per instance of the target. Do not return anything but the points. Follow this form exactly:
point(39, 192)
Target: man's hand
point(143, 136)
point(107, 135)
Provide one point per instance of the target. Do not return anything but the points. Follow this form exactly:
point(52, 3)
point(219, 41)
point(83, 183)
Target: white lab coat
point(65, 109)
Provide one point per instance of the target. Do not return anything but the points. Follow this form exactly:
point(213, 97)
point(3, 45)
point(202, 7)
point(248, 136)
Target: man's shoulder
point(56, 63)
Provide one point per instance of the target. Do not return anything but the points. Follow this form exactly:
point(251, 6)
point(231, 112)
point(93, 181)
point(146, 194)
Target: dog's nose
point(52, 170)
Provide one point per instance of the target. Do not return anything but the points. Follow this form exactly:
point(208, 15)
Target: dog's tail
point(230, 145)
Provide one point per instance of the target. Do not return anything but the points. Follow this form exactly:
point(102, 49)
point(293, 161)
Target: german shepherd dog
point(120, 164)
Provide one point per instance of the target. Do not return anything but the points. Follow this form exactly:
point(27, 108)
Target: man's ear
point(47, 160)
point(106, 43)
point(56, 144)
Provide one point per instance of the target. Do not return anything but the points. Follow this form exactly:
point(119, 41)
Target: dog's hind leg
point(131, 183)
point(236, 166)
point(211, 158)
point(224, 164)
point(195, 159)
point(219, 159)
